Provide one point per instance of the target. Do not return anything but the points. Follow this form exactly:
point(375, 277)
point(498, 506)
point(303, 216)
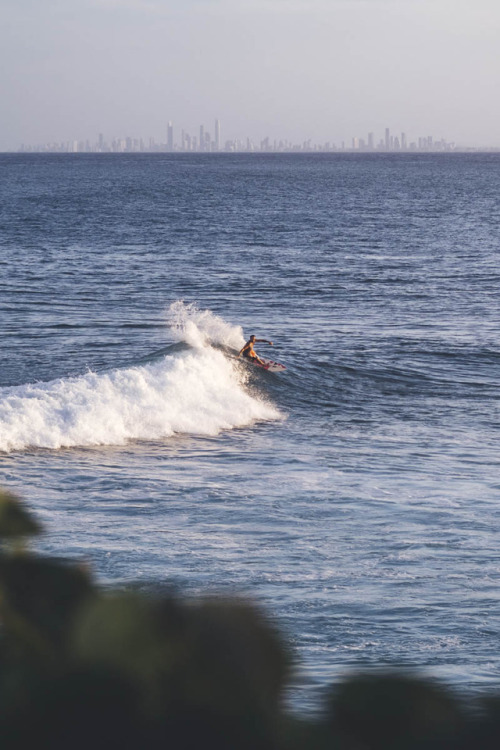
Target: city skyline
point(211, 141)
point(285, 69)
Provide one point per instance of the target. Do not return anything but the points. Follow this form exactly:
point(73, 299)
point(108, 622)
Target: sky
point(325, 70)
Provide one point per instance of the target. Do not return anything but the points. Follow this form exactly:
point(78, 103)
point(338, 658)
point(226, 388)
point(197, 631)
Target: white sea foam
point(201, 327)
point(197, 391)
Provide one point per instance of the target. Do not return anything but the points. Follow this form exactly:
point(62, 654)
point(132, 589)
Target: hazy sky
point(295, 69)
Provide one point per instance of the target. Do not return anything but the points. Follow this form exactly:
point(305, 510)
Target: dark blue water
point(355, 496)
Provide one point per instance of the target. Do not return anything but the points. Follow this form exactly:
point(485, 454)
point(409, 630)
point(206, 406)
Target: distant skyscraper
point(370, 141)
point(404, 144)
point(202, 138)
point(170, 137)
point(387, 139)
point(217, 135)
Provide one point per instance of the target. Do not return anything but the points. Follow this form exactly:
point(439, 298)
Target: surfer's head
point(252, 337)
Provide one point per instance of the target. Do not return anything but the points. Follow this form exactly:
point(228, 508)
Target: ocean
point(356, 496)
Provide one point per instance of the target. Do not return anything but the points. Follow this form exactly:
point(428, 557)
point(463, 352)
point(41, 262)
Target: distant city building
point(217, 135)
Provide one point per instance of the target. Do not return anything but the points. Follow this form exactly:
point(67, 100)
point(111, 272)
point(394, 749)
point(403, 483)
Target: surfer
point(249, 352)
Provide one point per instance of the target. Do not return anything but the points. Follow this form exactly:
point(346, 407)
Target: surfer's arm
point(264, 341)
point(242, 350)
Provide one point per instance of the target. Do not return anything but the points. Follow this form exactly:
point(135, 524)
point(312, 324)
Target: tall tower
point(217, 135)
point(387, 139)
point(170, 136)
point(202, 138)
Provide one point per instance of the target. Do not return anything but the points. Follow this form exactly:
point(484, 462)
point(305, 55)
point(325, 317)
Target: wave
point(192, 390)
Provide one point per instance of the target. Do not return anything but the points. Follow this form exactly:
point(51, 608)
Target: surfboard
point(268, 365)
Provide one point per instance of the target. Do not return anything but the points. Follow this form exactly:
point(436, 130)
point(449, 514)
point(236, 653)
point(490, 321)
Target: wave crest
point(199, 328)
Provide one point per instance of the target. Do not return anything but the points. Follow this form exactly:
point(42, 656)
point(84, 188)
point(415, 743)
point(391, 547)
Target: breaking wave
point(196, 391)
